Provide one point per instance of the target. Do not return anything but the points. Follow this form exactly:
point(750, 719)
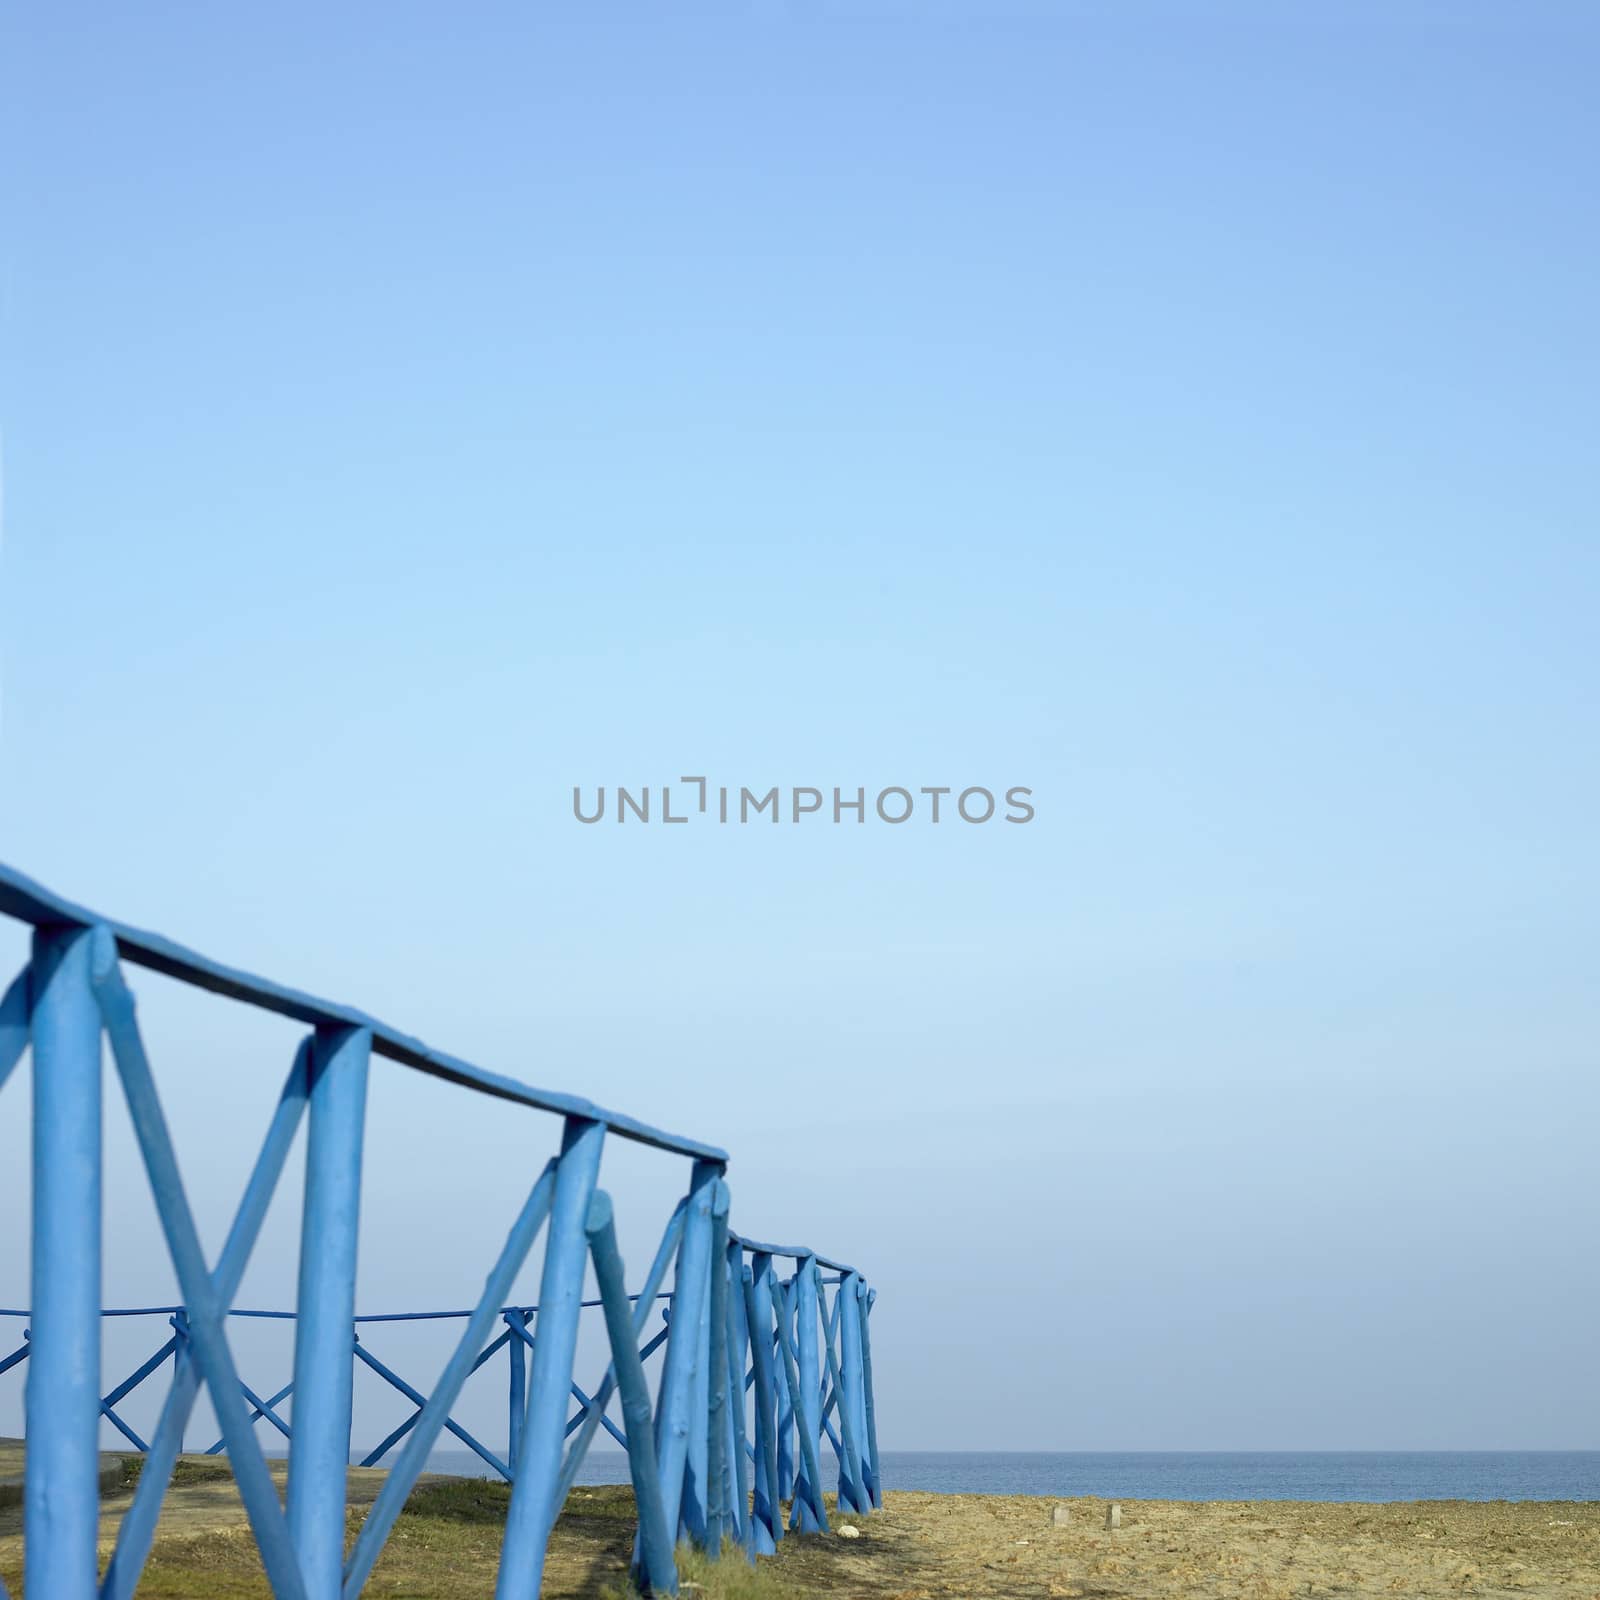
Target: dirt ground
point(928, 1547)
point(925, 1545)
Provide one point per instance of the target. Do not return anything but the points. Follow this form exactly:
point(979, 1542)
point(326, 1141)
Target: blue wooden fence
point(765, 1348)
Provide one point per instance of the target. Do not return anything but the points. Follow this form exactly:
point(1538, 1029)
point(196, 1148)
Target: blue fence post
point(767, 1514)
point(738, 1353)
point(717, 1495)
point(674, 1406)
point(180, 1338)
point(533, 1508)
point(807, 1312)
point(517, 1353)
point(874, 1477)
point(61, 1498)
point(850, 1371)
point(655, 1542)
point(324, 1351)
point(783, 1308)
point(697, 1486)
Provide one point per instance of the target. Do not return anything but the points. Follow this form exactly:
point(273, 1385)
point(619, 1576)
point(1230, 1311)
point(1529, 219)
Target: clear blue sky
point(1186, 412)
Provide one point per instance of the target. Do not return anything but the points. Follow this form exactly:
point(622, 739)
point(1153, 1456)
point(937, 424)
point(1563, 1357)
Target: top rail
point(24, 1312)
point(794, 1252)
point(27, 901)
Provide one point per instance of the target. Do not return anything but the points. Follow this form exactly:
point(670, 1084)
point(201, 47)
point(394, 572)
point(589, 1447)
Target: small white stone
point(1060, 1517)
point(847, 1532)
point(1113, 1516)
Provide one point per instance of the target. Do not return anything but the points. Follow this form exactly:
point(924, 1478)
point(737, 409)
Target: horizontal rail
point(289, 1316)
point(797, 1252)
point(369, 1316)
point(22, 898)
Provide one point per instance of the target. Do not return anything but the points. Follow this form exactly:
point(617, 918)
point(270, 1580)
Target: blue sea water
point(1201, 1475)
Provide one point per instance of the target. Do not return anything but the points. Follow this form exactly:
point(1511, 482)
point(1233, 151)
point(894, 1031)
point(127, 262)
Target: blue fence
point(765, 1350)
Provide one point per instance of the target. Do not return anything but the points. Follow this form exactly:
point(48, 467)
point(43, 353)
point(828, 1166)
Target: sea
point(1360, 1475)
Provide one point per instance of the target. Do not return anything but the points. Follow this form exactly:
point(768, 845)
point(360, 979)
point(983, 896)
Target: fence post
point(655, 1542)
point(738, 1354)
point(783, 1308)
point(675, 1423)
point(874, 1477)
point(517, 1354)
point(851, 1377)
point(809, 1421)
point(61, 1498)
point(324, 1346)
point(766, 1517)
point(697, 1499)
point(717, 1496)
point(533, 1508)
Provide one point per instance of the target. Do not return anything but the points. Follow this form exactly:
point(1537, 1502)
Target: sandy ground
point(925, 1545)
point(991, 1547)
point(210, 1505)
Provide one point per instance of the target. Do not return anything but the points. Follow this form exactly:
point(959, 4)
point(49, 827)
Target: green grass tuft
point(731, 1578)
